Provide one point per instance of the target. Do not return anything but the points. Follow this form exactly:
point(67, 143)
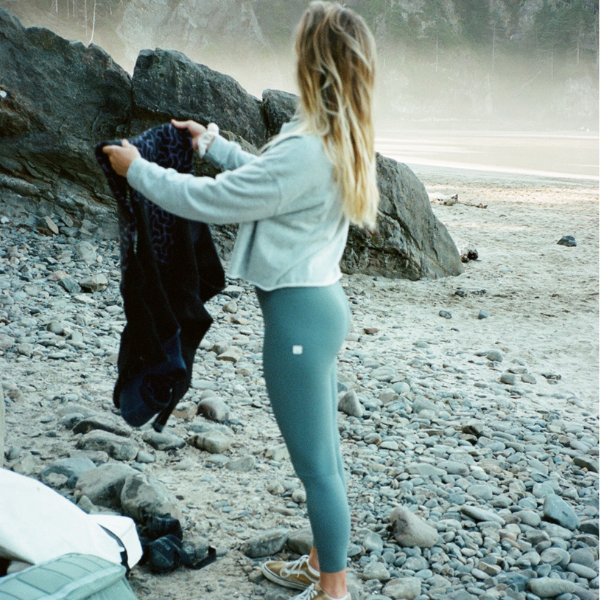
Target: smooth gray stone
point(541, 490)
point(558, 511)
point(401, 387)
point(118, 447)
point(143, 497)
point(480, 514)
point(416, 563)
point(214, 409)
point(508, 378)
point(421, 403)
point(529, 517)
point(567, 240)
point(480, 491)
point(546, 587)
point(94, 283)
point(243, 464)
point(350, 404)
point(383, 374)
point(538, 466)
point(104, 423)
point(483, 314)
point(407, 588)
point(301, 541)
point(582, 570)
point(85, 252)
point(373, 542)
point(163, 440)
point(410, 530)
point(70, 285)
point(426, 470)
point(453, 467)
point(584, 556)
point(103, 485)
point(586, 462)
point(145, 457)
point(72, 468)
point(494, 355)
point(268, 543)
point(213, 441)
point(376, 570)
point(555, 556)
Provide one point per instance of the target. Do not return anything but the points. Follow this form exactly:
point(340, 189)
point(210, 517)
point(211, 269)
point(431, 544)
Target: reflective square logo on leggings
point(297, 349)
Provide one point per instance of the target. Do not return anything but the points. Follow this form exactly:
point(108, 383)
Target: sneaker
point(314, 592)
point(297, 574)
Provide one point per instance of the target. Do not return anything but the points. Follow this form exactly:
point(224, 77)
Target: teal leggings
point(304, 331)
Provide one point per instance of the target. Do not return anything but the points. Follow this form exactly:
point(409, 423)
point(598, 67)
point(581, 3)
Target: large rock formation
point(410, 242)
point(59, 98)
point(168, 84)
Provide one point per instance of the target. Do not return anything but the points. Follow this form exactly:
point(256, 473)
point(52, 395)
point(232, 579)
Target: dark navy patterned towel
point(169, 269)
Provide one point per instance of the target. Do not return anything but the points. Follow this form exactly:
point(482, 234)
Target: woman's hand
point(121, 156)
point(195, 129)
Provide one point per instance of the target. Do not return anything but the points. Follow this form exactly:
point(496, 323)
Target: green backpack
point(68, 577)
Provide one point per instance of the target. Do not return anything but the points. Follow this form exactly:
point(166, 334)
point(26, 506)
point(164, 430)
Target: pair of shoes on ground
point(298, 575)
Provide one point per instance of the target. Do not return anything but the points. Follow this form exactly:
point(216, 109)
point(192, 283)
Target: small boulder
point(267, 544)
point(410, 530)
point(142, 497)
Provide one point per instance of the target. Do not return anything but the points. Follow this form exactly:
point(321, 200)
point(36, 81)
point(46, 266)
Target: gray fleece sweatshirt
point(292, 228)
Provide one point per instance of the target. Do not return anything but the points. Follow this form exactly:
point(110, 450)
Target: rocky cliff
point(60, 98)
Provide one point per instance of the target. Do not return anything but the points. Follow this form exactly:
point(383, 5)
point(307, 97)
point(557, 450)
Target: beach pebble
point(103, 485)
point(164, 440)
point(406, 588)
point(300, 542)
point(214, 409)
point(567, 240)
point(243, 464)
point(376, 570)
point(350, 404)
point(268, 543)
point(143, 497)
point(118, 447)
point(410, 530)
point(558, 511)
point(213, 441)
point(546, 587)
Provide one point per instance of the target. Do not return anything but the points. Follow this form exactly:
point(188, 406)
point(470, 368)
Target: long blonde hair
point(336, 75)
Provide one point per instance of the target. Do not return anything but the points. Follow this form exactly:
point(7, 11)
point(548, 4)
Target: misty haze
point(505, 85)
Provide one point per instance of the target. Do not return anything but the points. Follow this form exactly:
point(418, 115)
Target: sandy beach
point(542, 305)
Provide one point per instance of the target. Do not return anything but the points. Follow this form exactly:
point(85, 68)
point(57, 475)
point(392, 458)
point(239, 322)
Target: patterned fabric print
point(170, 148)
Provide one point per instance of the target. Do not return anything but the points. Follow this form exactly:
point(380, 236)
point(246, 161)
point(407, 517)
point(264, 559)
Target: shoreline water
point(562, 155)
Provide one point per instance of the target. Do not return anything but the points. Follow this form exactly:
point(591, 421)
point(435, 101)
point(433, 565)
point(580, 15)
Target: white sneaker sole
point(281, 580)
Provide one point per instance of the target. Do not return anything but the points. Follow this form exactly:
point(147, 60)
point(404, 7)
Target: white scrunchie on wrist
point(212, 131)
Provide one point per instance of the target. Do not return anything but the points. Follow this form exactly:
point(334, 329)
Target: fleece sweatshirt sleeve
point(227, 155)
point(262, 188)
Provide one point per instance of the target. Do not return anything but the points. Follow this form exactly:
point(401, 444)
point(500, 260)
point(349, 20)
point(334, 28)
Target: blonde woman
point(294, 204)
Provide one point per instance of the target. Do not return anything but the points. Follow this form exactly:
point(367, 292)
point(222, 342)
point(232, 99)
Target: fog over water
point(514, 120)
